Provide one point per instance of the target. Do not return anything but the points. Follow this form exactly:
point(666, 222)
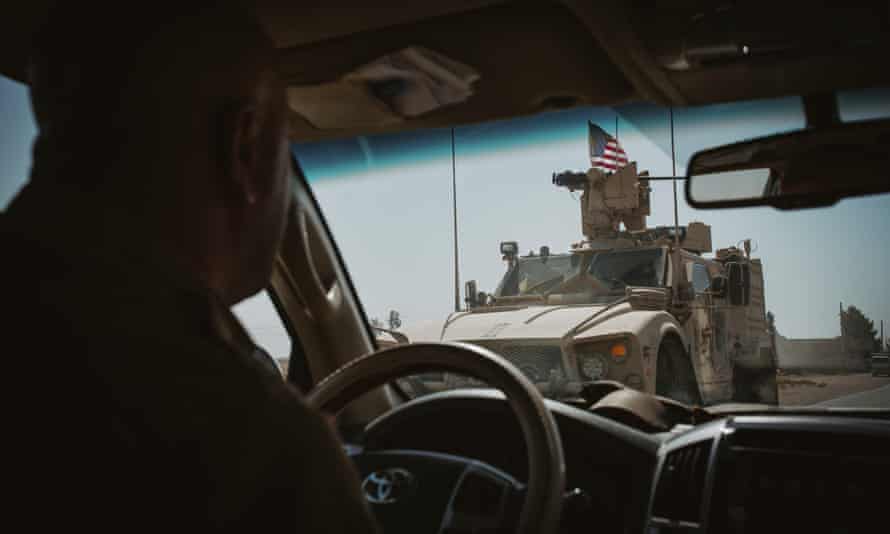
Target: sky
point(388, 200)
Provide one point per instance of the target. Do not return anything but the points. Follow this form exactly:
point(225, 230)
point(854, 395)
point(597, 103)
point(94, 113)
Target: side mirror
point(509, 252)
point(471, 294)
point(509, 248)
point(739, 284)
point(395, 320)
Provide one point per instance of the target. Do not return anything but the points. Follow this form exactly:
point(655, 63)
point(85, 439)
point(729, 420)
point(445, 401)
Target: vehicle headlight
point(594, 366)
point(618, 350)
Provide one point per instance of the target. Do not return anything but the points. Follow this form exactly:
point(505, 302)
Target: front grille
point(536, 361)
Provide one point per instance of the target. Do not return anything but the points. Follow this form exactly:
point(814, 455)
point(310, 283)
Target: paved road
point(874, 398)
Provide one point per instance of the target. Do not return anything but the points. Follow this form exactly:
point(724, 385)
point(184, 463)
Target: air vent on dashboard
point(681, 482)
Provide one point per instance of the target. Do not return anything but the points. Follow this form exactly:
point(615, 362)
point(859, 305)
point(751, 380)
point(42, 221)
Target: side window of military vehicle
point(701, 281)
point(262, 321)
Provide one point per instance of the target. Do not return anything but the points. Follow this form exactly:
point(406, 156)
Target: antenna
point(454, 210)
point(674, 181)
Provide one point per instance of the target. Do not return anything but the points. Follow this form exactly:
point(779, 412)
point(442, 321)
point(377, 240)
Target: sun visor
point(397, 86)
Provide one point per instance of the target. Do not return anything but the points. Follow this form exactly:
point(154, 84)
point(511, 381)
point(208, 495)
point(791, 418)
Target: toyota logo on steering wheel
point(387, 486)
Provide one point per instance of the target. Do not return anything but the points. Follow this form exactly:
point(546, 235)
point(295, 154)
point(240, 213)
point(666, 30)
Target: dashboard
point(739, 473)
point(774, 473)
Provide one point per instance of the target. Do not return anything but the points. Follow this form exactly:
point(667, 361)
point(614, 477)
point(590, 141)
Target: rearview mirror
point(806, 168)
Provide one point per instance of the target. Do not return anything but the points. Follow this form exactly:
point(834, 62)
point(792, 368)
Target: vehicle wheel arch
point(671, 328)
point(668, 333)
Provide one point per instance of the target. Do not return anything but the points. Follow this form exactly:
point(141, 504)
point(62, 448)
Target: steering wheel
point(437, 492)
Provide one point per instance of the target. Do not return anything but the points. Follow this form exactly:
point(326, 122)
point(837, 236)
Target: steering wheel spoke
point(485, 499)
point(423, 491)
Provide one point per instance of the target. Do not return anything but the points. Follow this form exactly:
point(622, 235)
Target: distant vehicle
point(640, 306)
point(880, 364)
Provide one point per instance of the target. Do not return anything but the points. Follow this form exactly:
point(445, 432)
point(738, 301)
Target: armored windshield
point(537, 275)
point(596, 274)
point(621, 268)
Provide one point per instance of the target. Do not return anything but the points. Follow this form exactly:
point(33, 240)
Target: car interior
point(617, 460)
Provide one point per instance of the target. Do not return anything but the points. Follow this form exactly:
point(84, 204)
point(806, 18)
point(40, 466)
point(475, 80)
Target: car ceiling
point(540, 56)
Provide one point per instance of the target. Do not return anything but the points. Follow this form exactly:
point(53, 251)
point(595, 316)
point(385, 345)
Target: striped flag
point(605, 152)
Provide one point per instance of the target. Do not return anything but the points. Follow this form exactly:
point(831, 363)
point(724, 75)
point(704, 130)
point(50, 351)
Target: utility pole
point(883, 344)
point(843, 329)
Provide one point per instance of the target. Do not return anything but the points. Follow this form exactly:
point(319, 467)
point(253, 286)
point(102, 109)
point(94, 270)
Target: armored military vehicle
point(641, 306)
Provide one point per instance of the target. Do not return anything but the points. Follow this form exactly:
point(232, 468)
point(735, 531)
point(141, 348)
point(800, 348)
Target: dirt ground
point(802, 389)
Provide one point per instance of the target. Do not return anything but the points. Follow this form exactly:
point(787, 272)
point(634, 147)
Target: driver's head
point(175, 118)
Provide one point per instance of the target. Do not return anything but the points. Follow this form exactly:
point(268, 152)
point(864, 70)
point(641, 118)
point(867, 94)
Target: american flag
point(605, 152)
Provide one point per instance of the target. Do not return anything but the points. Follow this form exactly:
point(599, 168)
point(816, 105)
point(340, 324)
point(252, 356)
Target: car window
point(629, 267)
point(390, 202)
point(17, 131)
point(863, 104)
point(537, 275)
point(388, 198)
point(262, 321)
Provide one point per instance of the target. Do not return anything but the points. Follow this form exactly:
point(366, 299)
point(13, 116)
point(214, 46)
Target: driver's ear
point(240, 152)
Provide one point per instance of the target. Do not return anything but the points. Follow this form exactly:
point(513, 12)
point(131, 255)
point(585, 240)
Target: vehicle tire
point(674, 376)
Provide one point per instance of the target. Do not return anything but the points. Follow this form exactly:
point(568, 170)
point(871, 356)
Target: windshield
point(789, 304)
point(624, 268)
point(536, 276)
point(594, 274)
point(752, 328)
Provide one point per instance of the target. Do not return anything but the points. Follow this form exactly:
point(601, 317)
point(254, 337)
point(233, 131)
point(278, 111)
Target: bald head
point(115, 78)
point(183, 110)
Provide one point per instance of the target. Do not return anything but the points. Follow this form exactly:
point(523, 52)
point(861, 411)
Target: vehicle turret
point(609, 199)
